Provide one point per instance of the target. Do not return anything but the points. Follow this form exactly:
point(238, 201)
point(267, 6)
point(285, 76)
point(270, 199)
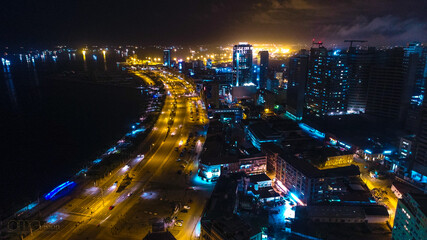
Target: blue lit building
point(260, 133)
point(242, 64)
point(415, 57)
point(410, 221)
point(414, 61)
point(327, 84)
point(167, 58)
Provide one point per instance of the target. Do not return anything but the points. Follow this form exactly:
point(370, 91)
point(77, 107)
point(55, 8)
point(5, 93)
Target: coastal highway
point(160, 183)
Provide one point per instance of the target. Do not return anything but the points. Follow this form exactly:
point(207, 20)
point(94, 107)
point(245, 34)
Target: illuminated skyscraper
point(327, 83)
point(414, 61)
point(263, 68)
point(242, 64)
point(167, 58)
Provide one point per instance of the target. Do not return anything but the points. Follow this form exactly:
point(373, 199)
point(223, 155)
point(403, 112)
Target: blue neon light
point(387, 152)
point(84, 170)
point(368, 151)
point(137, 131)
point(28, 207)
point(96, 161)
point(311, 130)
point(55, 191)
point(344, 145)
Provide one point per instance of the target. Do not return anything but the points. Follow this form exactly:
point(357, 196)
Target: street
point(159, 181)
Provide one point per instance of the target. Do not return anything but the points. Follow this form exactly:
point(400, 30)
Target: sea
point(57, 113)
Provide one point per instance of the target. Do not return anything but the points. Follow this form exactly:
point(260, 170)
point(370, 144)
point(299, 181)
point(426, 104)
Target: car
point(178, 224)
point(111, 207)
point(183, 165)
point(186, 207)
point(179, 172)
point(179, 160)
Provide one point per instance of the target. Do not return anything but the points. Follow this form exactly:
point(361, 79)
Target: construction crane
point(352, 41)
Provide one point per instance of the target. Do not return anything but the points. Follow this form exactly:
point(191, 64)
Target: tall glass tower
point(242, 64)
point(327, 83)
point(167, 58)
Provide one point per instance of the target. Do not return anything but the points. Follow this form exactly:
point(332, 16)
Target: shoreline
point(146, 121)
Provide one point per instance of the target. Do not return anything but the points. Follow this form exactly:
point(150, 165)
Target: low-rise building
point(260, 133)
point(260, 187)
point(306, 183)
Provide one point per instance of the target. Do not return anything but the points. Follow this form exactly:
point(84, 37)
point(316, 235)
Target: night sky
point(48, 22)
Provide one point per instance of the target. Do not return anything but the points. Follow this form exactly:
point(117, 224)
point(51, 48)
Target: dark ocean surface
point(50, 126)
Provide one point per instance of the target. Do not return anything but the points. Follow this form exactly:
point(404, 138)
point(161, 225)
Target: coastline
point(110, 159)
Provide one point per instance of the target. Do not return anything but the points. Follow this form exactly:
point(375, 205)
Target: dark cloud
point(212, 21)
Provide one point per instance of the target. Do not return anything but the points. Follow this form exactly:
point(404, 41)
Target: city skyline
point(201, 120)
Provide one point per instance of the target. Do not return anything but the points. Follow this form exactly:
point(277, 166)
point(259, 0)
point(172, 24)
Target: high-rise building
point(410, 221)
point(327, 83)
point(242, 64)
point(359, 63)
point(388, 90)
point(414, 61)
point(419, 166)
point(297, 78)
point(263, 68)
point(167, 57)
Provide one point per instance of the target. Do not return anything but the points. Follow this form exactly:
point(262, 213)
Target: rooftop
point(263, 132)
point(310, 171)
point(259, 178)
point(223, 199)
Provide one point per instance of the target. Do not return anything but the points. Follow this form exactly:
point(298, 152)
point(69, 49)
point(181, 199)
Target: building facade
point(359, 62)
point(388, 92)
point(307, 184)
point(263, 68)
point(167, 58)
point(242, 64)
point(297, 78)
point(410, 221)
point(327, 84)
